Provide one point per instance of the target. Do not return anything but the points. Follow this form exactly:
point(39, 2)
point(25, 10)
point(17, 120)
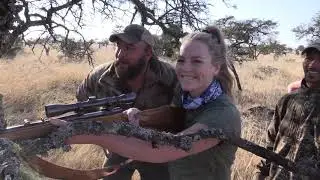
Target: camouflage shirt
point(160, 80)
point(294, 132)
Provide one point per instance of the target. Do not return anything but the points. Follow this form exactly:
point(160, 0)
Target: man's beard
point(132, 71)
point(312, 76)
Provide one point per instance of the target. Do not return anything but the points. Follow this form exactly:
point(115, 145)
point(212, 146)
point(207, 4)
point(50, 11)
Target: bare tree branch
point(309, 31)
point(68, 15)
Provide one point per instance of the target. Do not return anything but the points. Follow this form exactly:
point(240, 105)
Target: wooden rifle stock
point(164, 118)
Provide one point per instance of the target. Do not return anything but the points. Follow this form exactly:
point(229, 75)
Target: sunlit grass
point(28, 84)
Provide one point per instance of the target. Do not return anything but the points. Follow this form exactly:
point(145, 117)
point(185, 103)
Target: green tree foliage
point(74, 51)
point(247, 37)
point(310, 31)
point(299, 49)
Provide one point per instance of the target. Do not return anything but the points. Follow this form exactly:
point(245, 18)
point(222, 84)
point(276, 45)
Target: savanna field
point(28, 83)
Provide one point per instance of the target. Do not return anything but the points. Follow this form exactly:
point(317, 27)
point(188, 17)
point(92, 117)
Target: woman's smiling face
point(195, 68)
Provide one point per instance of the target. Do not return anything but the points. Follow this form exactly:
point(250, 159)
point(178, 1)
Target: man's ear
point(148, 51)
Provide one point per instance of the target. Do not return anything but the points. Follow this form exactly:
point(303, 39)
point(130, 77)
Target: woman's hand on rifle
point(132, 114)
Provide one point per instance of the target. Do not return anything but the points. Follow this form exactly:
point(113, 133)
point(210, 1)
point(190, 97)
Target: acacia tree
point(299, 49)
point(309, 31)
point(246, 36)
point(74, 50)
point(274, 47)
point(104, 42)
point(172, 16)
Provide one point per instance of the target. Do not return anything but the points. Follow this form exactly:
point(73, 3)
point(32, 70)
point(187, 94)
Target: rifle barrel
point(36, 129)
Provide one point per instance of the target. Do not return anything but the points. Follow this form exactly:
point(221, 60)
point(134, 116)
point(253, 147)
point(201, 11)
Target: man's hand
point(132, 114)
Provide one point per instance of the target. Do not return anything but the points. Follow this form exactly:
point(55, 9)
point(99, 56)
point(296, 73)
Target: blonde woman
point(206, 95)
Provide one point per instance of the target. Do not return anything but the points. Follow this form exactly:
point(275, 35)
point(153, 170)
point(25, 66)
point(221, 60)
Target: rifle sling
point(51, 170)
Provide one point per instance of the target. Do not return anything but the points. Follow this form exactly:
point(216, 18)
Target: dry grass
point(28, 83)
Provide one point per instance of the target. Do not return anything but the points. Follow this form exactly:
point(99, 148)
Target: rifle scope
point(116, 101)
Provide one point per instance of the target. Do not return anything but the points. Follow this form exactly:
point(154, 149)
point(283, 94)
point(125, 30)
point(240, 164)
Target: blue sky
point(288, 14)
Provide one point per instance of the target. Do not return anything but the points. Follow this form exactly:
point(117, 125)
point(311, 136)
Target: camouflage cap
point(313, 45)
point(133, 34)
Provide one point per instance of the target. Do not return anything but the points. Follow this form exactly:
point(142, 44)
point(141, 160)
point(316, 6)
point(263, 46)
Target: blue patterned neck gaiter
point(210, 94)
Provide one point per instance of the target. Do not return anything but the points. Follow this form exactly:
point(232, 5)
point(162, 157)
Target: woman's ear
point(216, 69)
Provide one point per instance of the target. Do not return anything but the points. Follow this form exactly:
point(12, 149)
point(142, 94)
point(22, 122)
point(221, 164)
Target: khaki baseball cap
point(313, 45)
point(133, 34)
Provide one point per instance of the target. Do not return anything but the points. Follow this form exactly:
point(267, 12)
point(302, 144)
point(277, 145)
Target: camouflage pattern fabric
point(294, 133)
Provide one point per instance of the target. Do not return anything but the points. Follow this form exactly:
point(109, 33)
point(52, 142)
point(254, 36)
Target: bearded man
point(136, 69)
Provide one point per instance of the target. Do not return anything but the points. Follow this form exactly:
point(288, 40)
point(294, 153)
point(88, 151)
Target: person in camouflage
point(136, 69)
point(294, 131)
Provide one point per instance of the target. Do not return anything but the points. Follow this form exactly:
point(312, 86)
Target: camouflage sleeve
point(273, 127)
point(86, 88)
point(272, 131)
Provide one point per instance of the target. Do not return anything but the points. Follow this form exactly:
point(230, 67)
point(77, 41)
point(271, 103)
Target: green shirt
point(216, 162)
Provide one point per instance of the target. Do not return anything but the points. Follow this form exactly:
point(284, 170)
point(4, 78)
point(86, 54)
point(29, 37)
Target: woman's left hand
point(132, 114)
